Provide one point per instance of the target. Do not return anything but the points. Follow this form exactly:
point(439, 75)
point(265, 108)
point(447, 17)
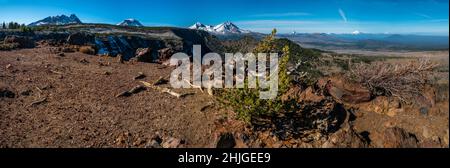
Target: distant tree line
point(15, 25)
point(12, 25)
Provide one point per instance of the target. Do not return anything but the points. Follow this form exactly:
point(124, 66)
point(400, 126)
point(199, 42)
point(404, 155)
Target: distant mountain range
point(130, 22)
point(354, 40)
point(359, 40)
point(57, 20)
point(226, 31)
point(226, 28)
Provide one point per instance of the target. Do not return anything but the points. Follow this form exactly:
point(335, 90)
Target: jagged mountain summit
point(130, 22)
point(200, 26)
point(226, 28)
point(57, 20)
point(356, 32)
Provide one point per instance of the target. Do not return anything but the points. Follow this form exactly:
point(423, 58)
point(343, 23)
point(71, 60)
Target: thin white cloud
point(342, 13)
point(281, 14)
point(424, 15)
point(438, 20)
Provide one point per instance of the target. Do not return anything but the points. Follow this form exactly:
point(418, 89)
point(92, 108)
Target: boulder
point(5, 92)
point(26, 92)
point(23, 42)
point(153, 144)
point(348, 94)
point(165, 54)
point(430, 143)
point(383, 105)
point(143, 55)
point(345, 138)
point(226, 140)
point(172, 143)
point(80, 38)
point(306, 95)
point(393, 138)
point(345, 91)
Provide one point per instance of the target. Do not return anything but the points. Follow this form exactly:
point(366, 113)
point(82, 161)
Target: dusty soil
point(70, 101)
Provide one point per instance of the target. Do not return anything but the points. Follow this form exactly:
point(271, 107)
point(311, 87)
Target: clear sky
point(311, 16)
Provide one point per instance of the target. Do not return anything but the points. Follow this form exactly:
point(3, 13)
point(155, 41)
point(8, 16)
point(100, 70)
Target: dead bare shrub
point(404, 81)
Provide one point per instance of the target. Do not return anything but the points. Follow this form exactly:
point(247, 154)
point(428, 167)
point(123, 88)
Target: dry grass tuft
point(8, 46)
point(87, 50)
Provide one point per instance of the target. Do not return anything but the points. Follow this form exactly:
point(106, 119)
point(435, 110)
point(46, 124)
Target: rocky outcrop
point(383, 105)
point(126, 46)
point(345, 138)
point(165, 54)
point(144, 55)
point(393, 138)
point(23, 42)
point(303, 96)
point(125, 42)
point(80, 38)
point(347, 92)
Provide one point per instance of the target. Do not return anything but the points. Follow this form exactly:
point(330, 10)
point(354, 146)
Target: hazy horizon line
point(281, 30)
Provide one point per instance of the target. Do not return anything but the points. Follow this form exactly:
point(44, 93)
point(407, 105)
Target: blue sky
point(311, 16)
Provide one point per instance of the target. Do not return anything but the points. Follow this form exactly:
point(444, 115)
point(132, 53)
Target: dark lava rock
point(226, 140)
point(26, 92)
point(24, 42)
point(424, 111)
point(154, 144)
point(5, 92)
point(81, 39)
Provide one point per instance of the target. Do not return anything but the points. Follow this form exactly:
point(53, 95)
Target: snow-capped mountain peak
point(57, 20)
point(201, 26)
point(130, 22)
point(224, 28)
point(227, 27)
point(197, 25)
point(356, 32)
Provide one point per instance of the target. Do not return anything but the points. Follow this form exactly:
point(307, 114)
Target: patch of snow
point(225, 28)
point(356, 32)
point(130, 22)
point(57, 20)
